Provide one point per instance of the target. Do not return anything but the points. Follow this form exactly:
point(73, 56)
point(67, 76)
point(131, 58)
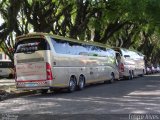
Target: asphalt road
point(140, 95)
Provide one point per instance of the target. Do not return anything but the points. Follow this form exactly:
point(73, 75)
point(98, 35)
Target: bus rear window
point(32, 45)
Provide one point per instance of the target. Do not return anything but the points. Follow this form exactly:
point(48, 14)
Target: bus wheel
point(112, 78)
point(72, 84)
point(10, 76)
point(130, 77)
point(81, 83)
point(43, 91)
point(142, 73)
point(57, 90)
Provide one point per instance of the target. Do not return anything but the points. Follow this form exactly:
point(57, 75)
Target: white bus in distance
point(6, 66)
point(45, 61)
point(131, 63)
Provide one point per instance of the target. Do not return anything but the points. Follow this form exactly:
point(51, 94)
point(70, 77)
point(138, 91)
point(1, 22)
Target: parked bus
point(6, 66)
point(45, 61)
point(131, 63)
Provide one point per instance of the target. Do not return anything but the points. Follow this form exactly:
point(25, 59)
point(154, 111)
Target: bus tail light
point(122, 67)
point(15, 75)
point(49, 72)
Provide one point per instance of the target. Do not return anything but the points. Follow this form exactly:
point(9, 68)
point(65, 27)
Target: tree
point(124, 23)
point(9, 10)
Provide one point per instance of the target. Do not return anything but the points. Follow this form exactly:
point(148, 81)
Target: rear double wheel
point(142, 73)
point(131, 75)
point(43, 91)
point(112, 80)
point(81, 83)
point(72, 84)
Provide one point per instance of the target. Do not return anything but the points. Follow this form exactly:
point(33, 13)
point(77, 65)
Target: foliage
point(125, 23)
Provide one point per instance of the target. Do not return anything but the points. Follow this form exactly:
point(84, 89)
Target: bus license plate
point(31, 85)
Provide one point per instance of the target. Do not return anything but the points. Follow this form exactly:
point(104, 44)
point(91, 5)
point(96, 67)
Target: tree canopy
point(123, 23)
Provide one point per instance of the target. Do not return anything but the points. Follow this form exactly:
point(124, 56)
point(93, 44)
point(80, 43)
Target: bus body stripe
point(30, 80)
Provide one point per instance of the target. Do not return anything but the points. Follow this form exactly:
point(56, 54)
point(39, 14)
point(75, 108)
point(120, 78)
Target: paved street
point(141, 95)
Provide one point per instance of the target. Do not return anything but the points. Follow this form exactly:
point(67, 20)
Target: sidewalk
point(7, 85)
point(8, 89)
point(7, 82)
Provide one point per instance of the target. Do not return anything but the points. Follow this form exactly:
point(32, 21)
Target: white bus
point(6, 66)
point(45, 61)
point(131, 63)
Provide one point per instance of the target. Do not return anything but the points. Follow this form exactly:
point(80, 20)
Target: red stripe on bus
point(30, 80)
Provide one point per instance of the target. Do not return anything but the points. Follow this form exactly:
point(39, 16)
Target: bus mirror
point(126, 56)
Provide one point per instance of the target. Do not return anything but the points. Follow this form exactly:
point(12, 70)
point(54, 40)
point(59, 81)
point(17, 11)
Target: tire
point(72, 84)
point(81, 83)
point(112, 80)
point(43, 91)
point(143, 73)
point(57, 90)
point(10, 76)
point(130, 77)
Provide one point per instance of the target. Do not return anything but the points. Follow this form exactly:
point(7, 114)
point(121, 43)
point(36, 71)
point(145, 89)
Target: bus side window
point(68, 47)
point(0, 56)
point(60, 46)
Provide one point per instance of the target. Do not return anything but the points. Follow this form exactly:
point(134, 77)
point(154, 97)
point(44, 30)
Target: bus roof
point(41, 34)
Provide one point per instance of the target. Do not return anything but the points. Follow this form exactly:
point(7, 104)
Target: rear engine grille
point(30, 60)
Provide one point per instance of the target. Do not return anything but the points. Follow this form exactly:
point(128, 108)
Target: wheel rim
point(81, 82)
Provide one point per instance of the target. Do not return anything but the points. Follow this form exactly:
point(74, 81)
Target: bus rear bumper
point(32, 88)
point(34, 85)
point(38, 85)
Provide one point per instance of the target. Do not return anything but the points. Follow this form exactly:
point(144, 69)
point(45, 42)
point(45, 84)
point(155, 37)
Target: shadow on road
point(140, 95)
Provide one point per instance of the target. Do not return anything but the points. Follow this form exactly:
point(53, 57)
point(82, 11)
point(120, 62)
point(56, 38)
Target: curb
point(6, 95)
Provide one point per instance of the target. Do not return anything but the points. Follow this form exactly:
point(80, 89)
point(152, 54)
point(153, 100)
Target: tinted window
point(67, 47)
point(110, 52)
point(4, 64)
point(0, 56)
point(73, 48)
point(31, 45)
